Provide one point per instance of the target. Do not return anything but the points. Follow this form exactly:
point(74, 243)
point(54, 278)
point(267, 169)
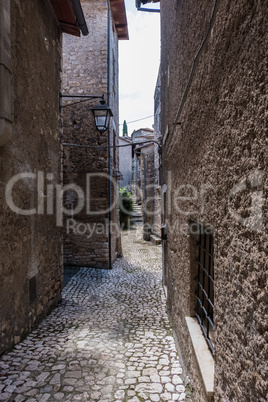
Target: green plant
point(125, 204)
point(125, 131)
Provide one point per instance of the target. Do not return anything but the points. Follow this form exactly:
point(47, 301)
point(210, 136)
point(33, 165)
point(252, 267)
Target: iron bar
point(149, 10)
point(68, 144)
point(205, 286)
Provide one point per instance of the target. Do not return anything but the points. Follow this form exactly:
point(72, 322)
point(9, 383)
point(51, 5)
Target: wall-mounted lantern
point(102, 114)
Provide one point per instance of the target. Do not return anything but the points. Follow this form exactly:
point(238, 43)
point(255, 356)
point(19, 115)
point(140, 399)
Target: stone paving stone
point(108, 341)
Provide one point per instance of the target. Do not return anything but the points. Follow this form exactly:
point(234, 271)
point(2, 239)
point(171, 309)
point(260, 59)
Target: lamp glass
point(102, 116)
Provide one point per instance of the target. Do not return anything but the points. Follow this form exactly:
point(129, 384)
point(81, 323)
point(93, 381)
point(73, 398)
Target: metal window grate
point(205, 286)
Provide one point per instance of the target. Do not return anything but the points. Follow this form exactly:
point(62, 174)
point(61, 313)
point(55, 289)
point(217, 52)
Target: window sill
point(203, 355)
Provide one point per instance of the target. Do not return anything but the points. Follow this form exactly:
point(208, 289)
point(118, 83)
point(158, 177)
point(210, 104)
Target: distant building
point(143, 175)
point(143, 134)
point(145, 180)
point(125, 162)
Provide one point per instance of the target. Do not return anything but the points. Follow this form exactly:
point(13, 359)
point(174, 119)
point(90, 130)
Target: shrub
point(125, 204)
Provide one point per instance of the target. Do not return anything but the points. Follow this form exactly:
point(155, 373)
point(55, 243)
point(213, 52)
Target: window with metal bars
point(204, 294)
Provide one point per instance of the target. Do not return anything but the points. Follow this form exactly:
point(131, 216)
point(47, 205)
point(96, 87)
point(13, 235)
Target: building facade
point(91, 233)
point(145, 180)
point(31, 256)
point(214, 127)
point(125, 162)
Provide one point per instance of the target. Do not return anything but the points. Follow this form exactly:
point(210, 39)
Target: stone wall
point(146, 183)
point(30, 259)
point(86, 72)
point(157, 104)
point(157, 157)
point(215, 155)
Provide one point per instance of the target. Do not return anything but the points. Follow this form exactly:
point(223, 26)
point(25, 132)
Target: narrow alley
point(109, 339)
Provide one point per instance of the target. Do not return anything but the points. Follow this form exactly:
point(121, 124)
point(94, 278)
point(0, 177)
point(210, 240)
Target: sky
point(139, 59)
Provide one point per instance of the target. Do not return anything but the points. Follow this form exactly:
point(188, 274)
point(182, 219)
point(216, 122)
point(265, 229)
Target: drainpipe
point(80, 17)
point(109, 132)
point(5, 73)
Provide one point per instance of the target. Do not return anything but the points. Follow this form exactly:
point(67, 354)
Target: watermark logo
point(50, 198)
point(251, 215)
point(89, 230)
point(244, 201)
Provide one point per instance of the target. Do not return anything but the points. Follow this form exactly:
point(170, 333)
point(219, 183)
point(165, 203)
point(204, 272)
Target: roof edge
point(70, 16)
point(120, 18)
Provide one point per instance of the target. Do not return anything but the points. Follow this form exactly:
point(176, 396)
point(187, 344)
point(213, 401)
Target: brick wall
point(220, 141)
point(30, 259)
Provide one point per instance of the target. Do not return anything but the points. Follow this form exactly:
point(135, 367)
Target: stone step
point(137, 220)
point(134, 213)
point(137, 213)
point(155, 239)
point(139, 217)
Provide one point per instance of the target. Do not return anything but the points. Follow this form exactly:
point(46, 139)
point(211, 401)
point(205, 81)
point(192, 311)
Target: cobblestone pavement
point(109, 340)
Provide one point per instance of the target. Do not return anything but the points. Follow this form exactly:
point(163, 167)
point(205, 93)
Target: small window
point(204, 293)
point(32, 289)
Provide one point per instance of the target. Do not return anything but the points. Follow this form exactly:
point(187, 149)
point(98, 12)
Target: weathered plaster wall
point(30, 245)
point(221, 141)
point(125, 163)
point(86, 72)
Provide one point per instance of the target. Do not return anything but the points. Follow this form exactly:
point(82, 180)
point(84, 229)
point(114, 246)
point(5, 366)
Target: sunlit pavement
point(109, 340)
